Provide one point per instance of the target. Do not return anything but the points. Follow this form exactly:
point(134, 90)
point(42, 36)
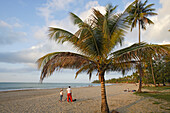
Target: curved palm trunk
point(104, 105)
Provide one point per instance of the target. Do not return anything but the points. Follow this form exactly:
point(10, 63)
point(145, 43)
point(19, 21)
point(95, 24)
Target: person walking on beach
point(69, 91)
point(61, 95)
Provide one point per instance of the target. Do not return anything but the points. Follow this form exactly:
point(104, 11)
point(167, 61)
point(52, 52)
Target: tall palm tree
point(94, 40)
point(138, 13)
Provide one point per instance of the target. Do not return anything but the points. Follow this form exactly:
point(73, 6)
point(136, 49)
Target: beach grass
point(157, 88)
point(156, 102)
point(156, 92)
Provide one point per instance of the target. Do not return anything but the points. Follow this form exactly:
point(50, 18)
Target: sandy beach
point(88, 101)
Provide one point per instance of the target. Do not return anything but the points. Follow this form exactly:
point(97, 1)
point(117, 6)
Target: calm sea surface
point(7, 86)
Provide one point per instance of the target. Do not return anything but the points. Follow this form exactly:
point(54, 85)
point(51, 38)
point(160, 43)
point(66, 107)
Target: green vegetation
point(157, 88)
point(156, 92)
point(157, 102)
point(96, 81)
point(126, 79)
point(162, 95)
point(161, 72)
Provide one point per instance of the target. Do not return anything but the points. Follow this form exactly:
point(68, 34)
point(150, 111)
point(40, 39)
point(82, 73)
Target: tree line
point(158, 74)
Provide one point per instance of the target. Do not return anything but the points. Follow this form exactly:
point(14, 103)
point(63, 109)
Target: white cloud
point(51, 6)
point(31, 55)
point(86, 14)
point(4, 24)
point(91, 4)
point(40, 32)
point(17, 70)
point(65, 24)
point(158, 33)
point(8, 35)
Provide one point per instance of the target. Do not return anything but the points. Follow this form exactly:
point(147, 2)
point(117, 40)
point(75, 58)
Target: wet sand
point(88, 100)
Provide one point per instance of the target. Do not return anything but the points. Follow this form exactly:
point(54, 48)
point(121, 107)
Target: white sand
point(88, 100)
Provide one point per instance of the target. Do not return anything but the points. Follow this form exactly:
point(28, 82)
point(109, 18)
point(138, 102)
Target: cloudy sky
point(24, 28)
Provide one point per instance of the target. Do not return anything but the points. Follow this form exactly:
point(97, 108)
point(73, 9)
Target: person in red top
point(69, 91)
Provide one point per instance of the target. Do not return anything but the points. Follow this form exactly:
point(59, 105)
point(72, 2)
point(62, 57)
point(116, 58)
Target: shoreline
point(28, 89)
point(88, 99)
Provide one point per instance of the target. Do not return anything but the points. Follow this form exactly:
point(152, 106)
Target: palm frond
point(151, 14)
point(139, 51)
point(43, 60)
point(109, 10)
point(89, 68)
point(60, 60)
point(145, 2)
point(120, 66)
point(83, 69)
point(149, 10)
point(148, 6)
point(147, 20)
point(76, 20)
point(130, 7)
point(88, 44)
point(60, 35)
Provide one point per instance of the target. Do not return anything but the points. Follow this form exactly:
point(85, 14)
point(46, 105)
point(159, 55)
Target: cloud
point(158, 33)
point(86, 14)
point(40, 33)
point(17, 70)
point(91, 4)
point(8, 35)
point(16, 57)
point(51, 6)
point(65, 24)
point(31, 55)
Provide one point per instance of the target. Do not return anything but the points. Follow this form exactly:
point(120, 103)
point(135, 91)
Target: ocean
point(8, 86)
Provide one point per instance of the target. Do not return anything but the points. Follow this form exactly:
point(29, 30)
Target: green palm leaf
point(76, 19)
point(59, 35)
point(55, 61)
point(138, 52)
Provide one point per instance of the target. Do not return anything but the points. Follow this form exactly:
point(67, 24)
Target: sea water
point(7, 86)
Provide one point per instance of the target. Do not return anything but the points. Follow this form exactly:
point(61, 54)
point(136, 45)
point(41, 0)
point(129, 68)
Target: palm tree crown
point(139, 12)
point(95, 39)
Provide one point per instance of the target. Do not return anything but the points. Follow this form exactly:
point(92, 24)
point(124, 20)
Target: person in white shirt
point(69, 91)
point(61, 95)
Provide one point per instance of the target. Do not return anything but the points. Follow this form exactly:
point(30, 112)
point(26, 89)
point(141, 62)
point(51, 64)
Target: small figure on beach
point(69, 92)
point(61, 95)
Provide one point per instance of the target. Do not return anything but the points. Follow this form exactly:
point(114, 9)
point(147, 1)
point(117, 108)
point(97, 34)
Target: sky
point(24, 35)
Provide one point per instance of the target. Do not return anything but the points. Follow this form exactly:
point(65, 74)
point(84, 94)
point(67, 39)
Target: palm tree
point(94, 40)
point(138, 13)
